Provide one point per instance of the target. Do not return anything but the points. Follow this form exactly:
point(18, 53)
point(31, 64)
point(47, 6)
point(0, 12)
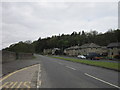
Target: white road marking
point(38, 79)
point(71, 67)
point(102, 80)
point(60, 63)
point(39, 83)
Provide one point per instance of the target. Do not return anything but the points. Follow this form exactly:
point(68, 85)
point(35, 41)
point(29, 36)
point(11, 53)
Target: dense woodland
point(66, 40)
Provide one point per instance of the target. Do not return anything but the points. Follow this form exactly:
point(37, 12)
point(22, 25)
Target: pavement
point(46, 72)
point(23, 78)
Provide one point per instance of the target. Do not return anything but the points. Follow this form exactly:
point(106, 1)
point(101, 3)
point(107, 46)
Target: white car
point(81, 56)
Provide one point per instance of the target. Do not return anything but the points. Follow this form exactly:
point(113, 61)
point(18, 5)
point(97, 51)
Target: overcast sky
point(23, 21)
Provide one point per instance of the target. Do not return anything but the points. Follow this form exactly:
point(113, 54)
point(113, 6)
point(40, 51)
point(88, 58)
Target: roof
point(114, 45)
point(90, 45)
point(74, 47)
point(56, 49)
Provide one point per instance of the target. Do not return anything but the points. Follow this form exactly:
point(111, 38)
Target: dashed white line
point(71, 67)
point(102, 80)
point(60, 63)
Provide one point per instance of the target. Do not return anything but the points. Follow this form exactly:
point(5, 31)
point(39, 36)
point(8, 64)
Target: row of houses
point(85, 49)
point(110, 50)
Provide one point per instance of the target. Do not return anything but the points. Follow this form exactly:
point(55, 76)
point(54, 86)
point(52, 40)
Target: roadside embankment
point(108, 65)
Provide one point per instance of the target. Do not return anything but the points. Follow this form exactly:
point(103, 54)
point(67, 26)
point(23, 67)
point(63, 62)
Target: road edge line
point(38, 78)
point(101, 80)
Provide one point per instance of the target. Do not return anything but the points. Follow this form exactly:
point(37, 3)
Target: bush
point(117, 56)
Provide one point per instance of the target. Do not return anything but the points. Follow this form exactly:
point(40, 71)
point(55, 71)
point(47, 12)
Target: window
point(112, 53)
point(119, 53)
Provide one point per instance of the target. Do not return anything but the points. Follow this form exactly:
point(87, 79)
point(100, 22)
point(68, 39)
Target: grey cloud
point(29, 21)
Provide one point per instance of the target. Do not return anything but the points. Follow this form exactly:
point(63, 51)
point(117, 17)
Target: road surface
point(46, 72)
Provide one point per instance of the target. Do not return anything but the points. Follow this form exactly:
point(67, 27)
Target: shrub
point(117, 56)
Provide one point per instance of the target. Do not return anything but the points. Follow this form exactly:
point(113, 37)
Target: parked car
point(93, 56)
point(81, 56)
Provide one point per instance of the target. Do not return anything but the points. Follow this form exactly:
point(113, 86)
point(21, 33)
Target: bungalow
point(113, 49)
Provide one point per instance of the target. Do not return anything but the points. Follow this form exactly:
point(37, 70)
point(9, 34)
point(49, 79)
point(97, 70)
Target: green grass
point(109, 65)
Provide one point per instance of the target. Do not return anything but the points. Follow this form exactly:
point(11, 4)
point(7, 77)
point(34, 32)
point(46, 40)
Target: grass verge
point(108, 65)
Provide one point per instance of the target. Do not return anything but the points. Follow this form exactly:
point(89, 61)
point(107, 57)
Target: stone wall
point(0, 56)
point(8, 56)
point(24, 56)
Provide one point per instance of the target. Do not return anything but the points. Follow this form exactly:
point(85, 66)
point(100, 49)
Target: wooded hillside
point(66, 40)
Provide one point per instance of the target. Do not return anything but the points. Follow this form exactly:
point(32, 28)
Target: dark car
point(93, 56)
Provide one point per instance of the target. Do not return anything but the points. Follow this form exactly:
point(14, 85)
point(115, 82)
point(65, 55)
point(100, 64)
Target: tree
point(64, 41)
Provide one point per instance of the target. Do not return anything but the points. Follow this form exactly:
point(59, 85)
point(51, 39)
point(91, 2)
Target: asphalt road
point(56, 73)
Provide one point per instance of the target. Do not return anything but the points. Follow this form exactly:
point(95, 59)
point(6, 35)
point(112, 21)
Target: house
point(85, 49)
point(90, 48)
point(56, 51)
point(104, 51)
point(72, 51)
point(47, 51)
point(113, 49)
